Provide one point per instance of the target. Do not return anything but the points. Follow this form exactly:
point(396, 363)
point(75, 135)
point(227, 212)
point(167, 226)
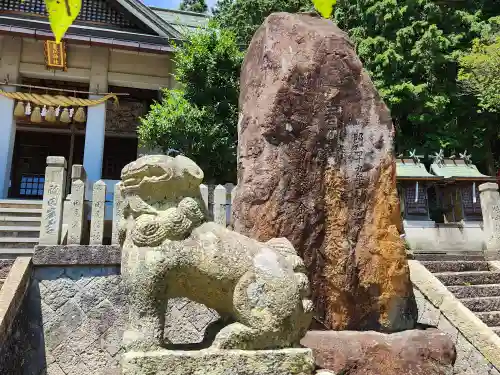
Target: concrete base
point(427, 236)
point(219, 362)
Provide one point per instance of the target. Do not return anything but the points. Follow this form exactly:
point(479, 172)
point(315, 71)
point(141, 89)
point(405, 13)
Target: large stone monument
point(171, 250)
point(316, 165)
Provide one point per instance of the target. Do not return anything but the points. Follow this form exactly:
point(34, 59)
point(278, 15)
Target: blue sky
point(173, 4)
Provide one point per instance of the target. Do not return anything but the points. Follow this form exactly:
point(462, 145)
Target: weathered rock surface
point(316, 165)
point(415, 352)
point(219, 362)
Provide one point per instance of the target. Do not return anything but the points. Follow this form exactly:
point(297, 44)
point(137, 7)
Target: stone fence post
point(490, 207)
point(220, 200)
point(77, 205)
point(118, 206)
point(53, 198)
point(98, 211)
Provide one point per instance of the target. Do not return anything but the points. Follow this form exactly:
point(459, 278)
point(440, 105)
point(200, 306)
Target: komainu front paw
point(236, 336)
point(138, 342)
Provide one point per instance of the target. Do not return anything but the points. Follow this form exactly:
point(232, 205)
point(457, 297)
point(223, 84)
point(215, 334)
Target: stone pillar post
point(118, 206)
point(53, 198)
point(490, 207)
point(77, 205)
point(9, 70)
point(98, 211)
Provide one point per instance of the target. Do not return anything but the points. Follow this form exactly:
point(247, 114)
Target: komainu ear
point(190, 170)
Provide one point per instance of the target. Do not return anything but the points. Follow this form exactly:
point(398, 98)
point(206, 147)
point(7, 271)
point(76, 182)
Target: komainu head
point(162, 196)
point(161, 177)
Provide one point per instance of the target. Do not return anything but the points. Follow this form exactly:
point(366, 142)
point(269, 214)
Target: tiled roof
point(182, 20)
point(407, 168)
point(95, 11)
point(457, 169)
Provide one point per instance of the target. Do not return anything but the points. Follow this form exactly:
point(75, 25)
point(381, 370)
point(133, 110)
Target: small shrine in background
point(458, 193)
point(413, 182)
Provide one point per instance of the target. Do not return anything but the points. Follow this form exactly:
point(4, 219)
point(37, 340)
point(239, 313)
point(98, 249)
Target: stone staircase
point(472, 280)
point(19, 227)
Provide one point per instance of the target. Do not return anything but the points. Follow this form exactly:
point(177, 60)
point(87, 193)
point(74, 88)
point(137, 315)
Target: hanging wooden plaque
point(55, 55)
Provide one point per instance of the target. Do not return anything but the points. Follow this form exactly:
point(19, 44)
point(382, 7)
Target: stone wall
point(77, 312)
point(73, 317)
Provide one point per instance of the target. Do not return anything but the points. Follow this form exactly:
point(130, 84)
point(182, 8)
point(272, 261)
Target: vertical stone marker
point(490, 207)
point(118, 206)
point(220, 201)
point(316, 165)
point(77, 205)
point(53, 197)
point(98, 211)
point(204, 195)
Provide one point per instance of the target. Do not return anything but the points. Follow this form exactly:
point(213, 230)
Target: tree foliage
point(243, 17)
point(198, 6)
point(199, 118)
point(480, 69)
point(411, 49)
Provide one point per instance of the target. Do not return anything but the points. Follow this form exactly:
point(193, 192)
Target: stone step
point(471, 291)
point(22, 221)
point(1, 283)
point(482, 304)
point(19, 231)
point(20, 203)
point(16, 212)
point(469, 278)
point(456, 266)
point(17, 242)
point(13, 253)
point(490, 318)
point(469, 256)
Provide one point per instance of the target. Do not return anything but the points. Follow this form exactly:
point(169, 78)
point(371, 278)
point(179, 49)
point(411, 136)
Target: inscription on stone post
point(98, 211)
point(53, 193)
point(52, 206)
point(118, 206)
point(76, 212)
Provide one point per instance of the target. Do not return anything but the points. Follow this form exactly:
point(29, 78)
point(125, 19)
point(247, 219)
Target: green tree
point(198, 6)
point(480, 70)
point(199, 119)
point(243, 17)
point(411, 50)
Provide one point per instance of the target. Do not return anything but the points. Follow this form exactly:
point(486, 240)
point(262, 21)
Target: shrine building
point(53, 98)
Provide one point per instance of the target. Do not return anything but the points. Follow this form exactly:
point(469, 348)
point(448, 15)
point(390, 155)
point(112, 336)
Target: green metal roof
point(407, 168)
point(457, 169)
point(182, 20)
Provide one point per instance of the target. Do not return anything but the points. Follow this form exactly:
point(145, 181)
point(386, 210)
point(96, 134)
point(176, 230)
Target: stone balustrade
point(73, 220)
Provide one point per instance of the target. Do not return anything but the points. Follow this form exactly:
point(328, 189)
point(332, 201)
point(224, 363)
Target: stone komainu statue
point(170, 250)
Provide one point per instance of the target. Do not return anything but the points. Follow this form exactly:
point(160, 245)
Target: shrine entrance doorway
point(31, 149)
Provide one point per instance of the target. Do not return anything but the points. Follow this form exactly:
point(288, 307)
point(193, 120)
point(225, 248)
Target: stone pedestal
point(490, 207)
point(219, 362)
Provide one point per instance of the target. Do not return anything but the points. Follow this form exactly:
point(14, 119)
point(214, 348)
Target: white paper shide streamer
point(474, 199)
point(416, 192)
